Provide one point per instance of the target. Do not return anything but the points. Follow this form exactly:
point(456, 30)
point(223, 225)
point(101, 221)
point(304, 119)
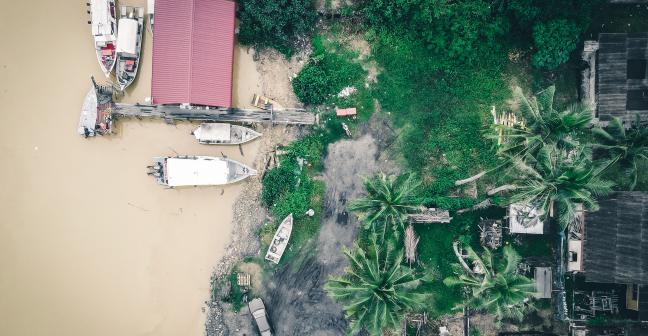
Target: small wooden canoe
point(224, 134)
point(280, 240)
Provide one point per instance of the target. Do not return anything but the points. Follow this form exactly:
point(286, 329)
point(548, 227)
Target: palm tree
point(554, 177)
point(376, 288)
point(543, 124)
point(497, 287)
point(628, 148)
point(388, 201)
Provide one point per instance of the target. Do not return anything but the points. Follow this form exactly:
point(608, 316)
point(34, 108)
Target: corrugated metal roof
point(616, 240)
point(193, 52)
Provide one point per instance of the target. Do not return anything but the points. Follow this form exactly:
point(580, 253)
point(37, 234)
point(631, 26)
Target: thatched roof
point(616, 240)
point(621, 84)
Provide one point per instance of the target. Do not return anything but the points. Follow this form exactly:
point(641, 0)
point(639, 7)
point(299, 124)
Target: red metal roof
point(193, 52)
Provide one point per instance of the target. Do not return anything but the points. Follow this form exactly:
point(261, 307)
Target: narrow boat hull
point(224, 134)
point(104, 31)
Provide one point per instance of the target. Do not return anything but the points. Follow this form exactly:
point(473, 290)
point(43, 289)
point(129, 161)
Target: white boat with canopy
point(224, 134)
point(104, 32)
point(129, 44)
point(280, 240)
point(183, 171)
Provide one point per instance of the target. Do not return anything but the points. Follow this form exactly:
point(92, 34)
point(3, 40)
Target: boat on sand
point(104, 32)
point(224, 134)
point(280, 240)
point(129, 44)
point(185, 170)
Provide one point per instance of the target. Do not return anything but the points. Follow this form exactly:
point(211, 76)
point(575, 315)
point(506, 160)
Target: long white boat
point(150, 8)
point(224, 134)
point(129, 44)
point(181, 171)
point(280, 240)
point(104, 32)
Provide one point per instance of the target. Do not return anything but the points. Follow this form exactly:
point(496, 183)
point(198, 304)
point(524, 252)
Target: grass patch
point(330, 69)
point(292, 188)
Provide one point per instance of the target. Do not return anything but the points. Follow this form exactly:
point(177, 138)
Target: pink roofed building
point(193, 52)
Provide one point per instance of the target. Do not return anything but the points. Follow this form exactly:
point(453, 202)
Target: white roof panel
point(194, 172)
point(525, 219)
point(213, 132)
point(127, 36)
point(543, 282)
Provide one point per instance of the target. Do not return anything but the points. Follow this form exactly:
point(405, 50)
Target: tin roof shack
point(622, 76)
point(193, 52)
point(615, 256)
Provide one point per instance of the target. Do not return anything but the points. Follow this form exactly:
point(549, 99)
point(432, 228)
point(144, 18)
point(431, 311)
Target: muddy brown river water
point(89, 244)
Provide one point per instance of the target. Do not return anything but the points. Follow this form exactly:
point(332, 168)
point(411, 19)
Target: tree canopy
point(276, 24)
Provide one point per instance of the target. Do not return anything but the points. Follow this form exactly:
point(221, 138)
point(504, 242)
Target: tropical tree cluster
point(548, 161)
point(378, 288)
point(278, 24)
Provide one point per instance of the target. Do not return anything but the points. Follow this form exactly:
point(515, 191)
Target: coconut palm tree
point(542, 124)
point(388, 201)
point(496, 287)
point(376, 288)
point(555, 177)
point(628, 148)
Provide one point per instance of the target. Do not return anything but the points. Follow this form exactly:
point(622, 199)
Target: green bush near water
point(290, 189)
point(328, 71)
point(275, 24)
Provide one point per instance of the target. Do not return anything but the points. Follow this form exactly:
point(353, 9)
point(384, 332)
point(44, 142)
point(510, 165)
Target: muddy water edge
point(90, 245)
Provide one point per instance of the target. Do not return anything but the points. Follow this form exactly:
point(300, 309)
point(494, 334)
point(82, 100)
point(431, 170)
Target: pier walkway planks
point(172, 113)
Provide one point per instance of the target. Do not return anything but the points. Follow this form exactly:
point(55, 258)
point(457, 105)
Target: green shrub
point(277, 24)
point(459, 29)
point(326, 74)
point(554, 41)
point(279, 181)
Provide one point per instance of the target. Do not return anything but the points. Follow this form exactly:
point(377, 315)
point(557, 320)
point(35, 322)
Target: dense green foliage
point(276, 24)
point(555, 40)
point(501, 290)
point(627, 148)
point(459, 29)
point(328, 71)
point(377, 289)
point(441, 106)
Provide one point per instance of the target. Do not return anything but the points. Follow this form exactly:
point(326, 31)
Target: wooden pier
point(211, 114)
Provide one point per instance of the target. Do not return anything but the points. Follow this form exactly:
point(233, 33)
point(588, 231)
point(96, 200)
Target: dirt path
point(297, 303)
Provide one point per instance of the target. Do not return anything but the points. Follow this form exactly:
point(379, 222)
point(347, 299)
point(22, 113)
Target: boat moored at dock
point(180, 171)
point(104, 32)
point(96, 113)
point(224, 134)
point(150, 9)
point(129, 44)
point(280, 240)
